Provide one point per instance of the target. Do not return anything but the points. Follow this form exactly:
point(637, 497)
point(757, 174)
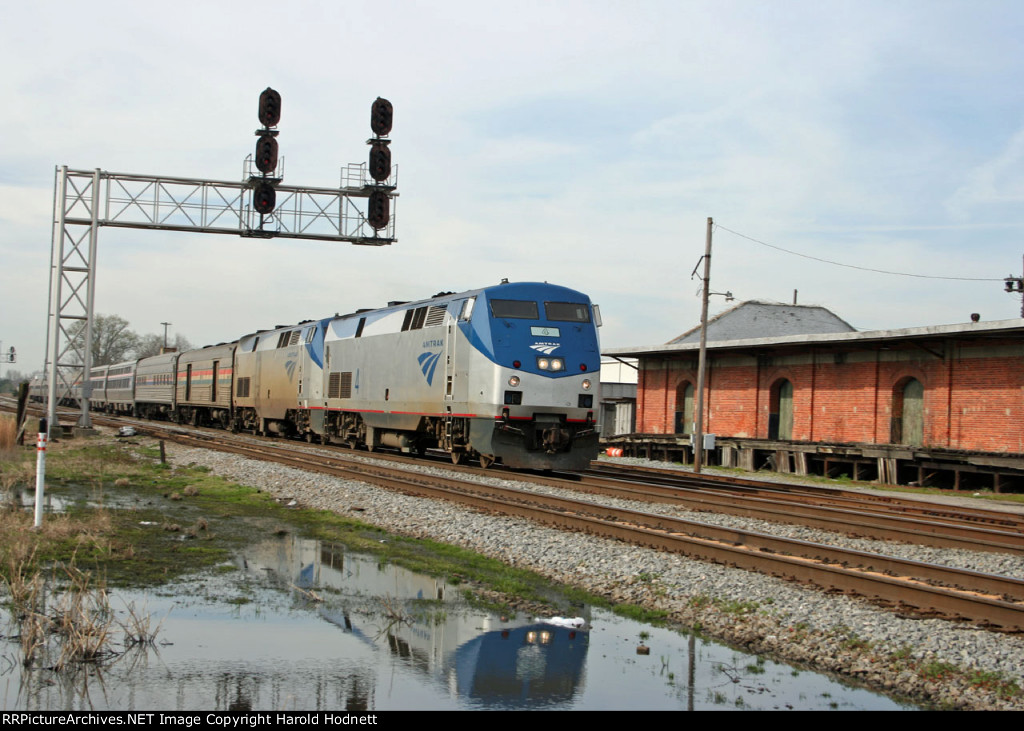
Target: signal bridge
point(257, 206)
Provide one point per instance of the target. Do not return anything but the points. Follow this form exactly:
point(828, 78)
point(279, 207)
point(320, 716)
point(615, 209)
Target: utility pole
point(1015, 284)
point(698, 435)
point(166, 325)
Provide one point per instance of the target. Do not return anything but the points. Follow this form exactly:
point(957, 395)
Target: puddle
point(57, 501)
point(300, 625)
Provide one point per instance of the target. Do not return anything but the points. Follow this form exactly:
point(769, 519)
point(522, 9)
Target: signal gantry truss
point(84, 201)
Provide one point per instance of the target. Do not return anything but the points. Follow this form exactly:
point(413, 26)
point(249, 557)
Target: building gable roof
point(757, 319)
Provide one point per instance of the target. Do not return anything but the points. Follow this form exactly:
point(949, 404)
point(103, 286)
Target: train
point(504, 374)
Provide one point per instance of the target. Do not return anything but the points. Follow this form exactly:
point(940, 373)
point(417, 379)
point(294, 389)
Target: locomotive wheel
point(458, 457)
point(486, 460)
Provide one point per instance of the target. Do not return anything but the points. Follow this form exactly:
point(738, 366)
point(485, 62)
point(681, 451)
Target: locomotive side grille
point(340, 385)
point(242, 387)
point(435, 316)
point(421, 317)
point(294, 339)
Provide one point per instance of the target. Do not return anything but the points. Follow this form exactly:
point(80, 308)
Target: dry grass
point(16, 466)
point(138, 628)
point(8, 432)
point(26, 589)
point(79, 614)
point(20, 541)
point(17, 474)
point(83, 619)
point(74, 624)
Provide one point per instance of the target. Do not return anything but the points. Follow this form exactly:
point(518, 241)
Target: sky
point(583, 143)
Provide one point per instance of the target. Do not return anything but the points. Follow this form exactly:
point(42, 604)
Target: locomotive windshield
point(518, 309)
point(567, 311)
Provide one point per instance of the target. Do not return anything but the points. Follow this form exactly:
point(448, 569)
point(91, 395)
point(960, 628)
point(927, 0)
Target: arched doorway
point(684, 408)
point(908, 412)
point(780, 410)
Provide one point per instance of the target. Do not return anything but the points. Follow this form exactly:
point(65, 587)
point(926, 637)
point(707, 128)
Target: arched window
point(684, 408)
point(907, 424)
point(780, 410)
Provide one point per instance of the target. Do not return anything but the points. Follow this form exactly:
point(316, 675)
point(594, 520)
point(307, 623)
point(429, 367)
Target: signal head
point(381, 115)
point(270, 107)
point(264, 198)
point(266, 154)
point(378, 210)
point(380, 162)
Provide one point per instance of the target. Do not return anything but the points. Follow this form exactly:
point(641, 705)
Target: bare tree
point(152, 344)
point(10, 380)
point(112, 341)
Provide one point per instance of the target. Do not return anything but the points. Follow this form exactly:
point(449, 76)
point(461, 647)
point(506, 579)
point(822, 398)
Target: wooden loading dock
point(885, 464)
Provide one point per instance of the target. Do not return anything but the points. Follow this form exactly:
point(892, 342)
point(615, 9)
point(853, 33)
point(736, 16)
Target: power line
point(854, 266)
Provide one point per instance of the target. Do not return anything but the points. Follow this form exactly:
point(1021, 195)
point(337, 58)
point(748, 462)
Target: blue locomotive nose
point(538, 328)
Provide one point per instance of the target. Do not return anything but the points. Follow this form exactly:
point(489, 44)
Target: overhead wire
point(854, 266)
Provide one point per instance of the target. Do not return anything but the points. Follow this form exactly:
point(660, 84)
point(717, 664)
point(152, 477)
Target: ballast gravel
point(935, 661)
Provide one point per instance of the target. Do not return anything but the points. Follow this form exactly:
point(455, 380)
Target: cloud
point(994, 187)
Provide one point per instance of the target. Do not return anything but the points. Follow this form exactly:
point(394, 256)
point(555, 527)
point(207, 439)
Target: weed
point(734, 606)
point(138, 628)
point(8, 433)
point(853, 642)
point(903, 653)
point(394, 610)
point(700, 601)
point(994, 680)
point(640, 614)
point(937, 670)
point(84, 619)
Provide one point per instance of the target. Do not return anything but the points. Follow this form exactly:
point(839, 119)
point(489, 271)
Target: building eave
point(998, 328)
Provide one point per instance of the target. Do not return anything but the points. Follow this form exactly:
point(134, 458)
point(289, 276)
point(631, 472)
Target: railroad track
point(860, 515)
point(891, 502)
point(909, 586)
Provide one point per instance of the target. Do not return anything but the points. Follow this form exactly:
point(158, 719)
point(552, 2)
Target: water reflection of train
point(484, 661)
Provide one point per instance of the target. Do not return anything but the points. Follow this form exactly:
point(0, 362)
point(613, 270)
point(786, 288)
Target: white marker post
point(40, 471)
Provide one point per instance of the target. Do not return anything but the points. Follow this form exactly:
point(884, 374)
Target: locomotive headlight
point(544, 364)
point(557, 364)
point(513, 381)
point(586, 384)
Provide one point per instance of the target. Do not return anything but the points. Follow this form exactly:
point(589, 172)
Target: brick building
point(930, 404)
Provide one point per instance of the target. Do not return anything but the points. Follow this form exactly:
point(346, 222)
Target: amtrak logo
point(290, 367)
point(428, 363)
point(545, 348)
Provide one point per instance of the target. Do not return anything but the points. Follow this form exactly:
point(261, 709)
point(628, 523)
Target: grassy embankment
point(136, 522)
